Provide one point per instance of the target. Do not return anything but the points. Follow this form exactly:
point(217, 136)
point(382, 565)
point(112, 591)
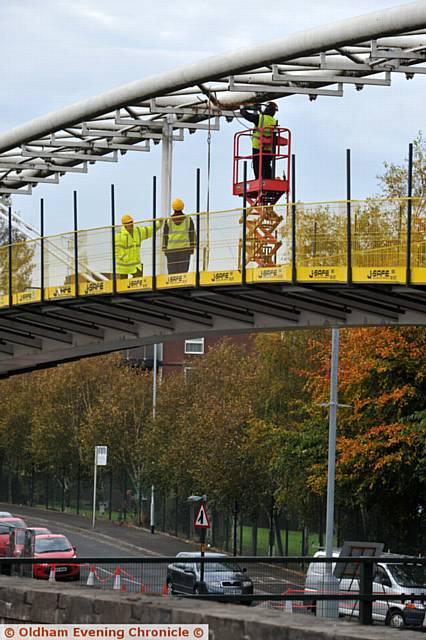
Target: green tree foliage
point(23, 253)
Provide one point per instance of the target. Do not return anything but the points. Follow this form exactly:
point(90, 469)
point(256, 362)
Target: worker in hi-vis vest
point(264, 123)
point(179, 239)
point(128, 247)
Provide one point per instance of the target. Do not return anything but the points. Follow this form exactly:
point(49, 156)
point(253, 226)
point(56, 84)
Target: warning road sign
point(202, 521)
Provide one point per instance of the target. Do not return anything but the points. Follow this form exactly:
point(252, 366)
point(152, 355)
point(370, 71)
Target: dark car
point(221, 578)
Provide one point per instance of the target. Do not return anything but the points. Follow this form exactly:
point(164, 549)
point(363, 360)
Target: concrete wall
point(30, 601)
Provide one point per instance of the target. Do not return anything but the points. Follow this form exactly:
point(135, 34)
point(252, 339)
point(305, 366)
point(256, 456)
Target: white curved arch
point(349, 51)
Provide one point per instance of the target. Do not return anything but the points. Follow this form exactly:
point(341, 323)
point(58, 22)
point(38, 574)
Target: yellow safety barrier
point(83, 262)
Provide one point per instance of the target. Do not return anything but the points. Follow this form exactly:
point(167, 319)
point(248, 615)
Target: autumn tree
point(23, 254)
point(381, 440)
point(17, 406)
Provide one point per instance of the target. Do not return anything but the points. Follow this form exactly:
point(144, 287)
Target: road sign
point(202, 521)
point(101, 456)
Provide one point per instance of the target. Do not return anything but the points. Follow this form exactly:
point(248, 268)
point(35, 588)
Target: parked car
point(18, 537)
point(5, 525)
point(404, 578)
point(5, 514)
point(54, 545)
point(221, 578)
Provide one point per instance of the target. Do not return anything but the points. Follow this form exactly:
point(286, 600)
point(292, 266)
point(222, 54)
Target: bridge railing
point(386, 590)
point(371, 241)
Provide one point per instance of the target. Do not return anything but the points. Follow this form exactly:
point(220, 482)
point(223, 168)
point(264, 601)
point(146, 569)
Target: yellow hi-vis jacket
point(267, 123)
point(179, 234)
point(128, 248)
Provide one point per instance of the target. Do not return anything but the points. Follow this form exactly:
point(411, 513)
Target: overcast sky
point(55, 52)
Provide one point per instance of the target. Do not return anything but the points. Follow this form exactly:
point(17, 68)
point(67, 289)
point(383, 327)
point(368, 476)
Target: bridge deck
point(350, 263)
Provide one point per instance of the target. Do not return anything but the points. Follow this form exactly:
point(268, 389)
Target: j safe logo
point(94, 287)
point(388, 274)
point(62, 291)
point(178, 279)
point(322, 273)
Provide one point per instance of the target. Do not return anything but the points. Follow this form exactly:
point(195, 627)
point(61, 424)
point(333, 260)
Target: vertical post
point(166, 168)
point(154, 232)
point(332, 445)
point(114, 259)
point(203, 542)
point(293, 219)
point(76, 244)
point(152, 511)
point(154, 383)
point(154, 405)
point(366, 589)
point(166, 161)
point(197, 239)
point(78, 489)
point(244, 243)
point(235, 529)
point(348, 217)
point(95, 473)
point(63, 491)
point(271, 528)
point(330, 608)
point(110, 497)
point(10, 271)
point(42, 249)
point(409, 211)
point(46, 497)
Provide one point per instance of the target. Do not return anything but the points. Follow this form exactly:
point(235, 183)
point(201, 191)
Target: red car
point(6, 524)
point(54, 545)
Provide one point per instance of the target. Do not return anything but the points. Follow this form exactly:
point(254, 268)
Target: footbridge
point(348, 263)
point(351, 263)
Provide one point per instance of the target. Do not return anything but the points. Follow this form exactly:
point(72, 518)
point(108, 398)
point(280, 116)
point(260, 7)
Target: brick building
point(178, 355)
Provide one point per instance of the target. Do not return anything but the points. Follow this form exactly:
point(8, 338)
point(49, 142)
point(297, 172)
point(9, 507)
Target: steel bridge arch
point(367, 50)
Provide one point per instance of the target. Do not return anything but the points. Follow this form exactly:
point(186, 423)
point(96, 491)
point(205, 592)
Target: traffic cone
point(165, 591)
point(288, 604)
point(117, 579)
point(91, 577)
point(52, 573)
point(142, 587)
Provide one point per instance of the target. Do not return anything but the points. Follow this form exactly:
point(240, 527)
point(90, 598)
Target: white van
point(389, 578)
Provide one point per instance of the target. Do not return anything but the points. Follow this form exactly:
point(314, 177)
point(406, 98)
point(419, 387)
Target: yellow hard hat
point(126, 219)
point(178, 204)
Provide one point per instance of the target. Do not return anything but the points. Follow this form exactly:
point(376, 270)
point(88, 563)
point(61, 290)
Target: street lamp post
point(154, 406)
point(330, 608)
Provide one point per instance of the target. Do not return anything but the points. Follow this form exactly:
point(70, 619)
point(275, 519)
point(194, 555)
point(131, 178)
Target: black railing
point(299, 584)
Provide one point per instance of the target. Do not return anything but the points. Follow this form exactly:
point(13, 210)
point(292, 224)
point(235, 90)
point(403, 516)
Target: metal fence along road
point(340, 586)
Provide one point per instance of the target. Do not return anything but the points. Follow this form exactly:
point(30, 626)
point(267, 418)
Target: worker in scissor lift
point(262, 137)
point(179, 239)
point(128, 247)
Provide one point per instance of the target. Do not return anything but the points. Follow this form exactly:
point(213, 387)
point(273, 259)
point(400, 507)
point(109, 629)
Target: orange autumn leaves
point(380, 441)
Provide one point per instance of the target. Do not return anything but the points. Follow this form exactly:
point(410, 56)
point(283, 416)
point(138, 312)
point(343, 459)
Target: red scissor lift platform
point(262, 193)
